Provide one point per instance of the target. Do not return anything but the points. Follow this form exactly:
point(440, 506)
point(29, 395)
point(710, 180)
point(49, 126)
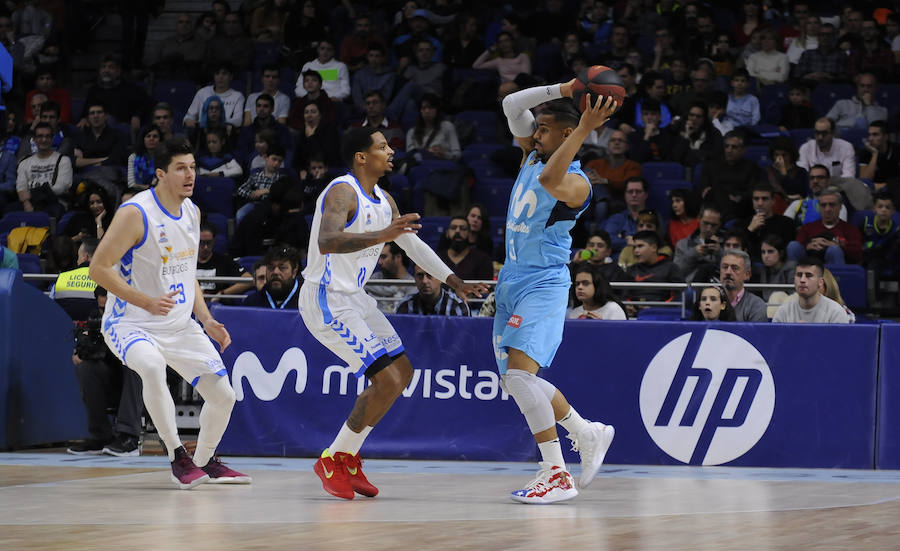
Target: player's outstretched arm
point(126, 230)
point(339, 207)
point(213, 328)
point(569, 188)
point(425, 257)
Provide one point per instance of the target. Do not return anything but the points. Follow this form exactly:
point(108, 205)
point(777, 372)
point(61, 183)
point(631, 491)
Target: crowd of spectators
point(781, 115)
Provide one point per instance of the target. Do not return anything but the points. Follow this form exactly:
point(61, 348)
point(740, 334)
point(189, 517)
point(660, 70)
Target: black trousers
point(105, 384)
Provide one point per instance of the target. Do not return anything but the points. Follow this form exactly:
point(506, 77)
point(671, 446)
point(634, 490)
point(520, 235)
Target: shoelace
point(542, 478)
point(574, 440)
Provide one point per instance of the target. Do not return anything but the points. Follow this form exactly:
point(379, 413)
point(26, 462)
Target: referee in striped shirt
point(432, 298)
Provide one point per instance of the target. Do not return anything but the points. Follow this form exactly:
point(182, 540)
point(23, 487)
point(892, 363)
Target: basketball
point(597, 80)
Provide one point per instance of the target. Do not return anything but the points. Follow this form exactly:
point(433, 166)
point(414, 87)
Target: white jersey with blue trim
point(165, 260)
point(348, 272)
point(538, 224)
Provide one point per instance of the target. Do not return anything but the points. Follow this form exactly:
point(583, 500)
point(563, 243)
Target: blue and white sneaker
point(552, 484)
point(592, 444)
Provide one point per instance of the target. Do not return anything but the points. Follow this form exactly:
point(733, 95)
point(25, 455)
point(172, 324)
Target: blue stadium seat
point(484, 124)
point(475, 75)
point(63, 222)
point(247, 262)
point(660, 314)
point(759, 154)
point(662, 171)
point(401, 191)
point(177, 93)
point(772, 98)
point(801, 135)
point(824, 95)
point(220, 221)
point(765, 132)
point(851, 279)
point(698, 170)
point(493, 193)
point(485, 170)
point(214, 194)
point(31, 264)
point(889, 96)
point(659, 195)
point(856, 136)
point(419, 173)
point(433, 227)
point(479, 152)
point(498, 230)
point(16, 219)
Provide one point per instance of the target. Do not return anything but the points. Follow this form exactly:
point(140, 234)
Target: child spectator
point(880, 236)
point(798, 113)
point(718, 101)
point(598, 253)
point(313, 179)
point(261, 141)
point(259, 181)
point(712, 305)
point(651, 267)
point(743, 107)
point(594, 296)
point(647, 220)
point(141, 171)
point(213, 160)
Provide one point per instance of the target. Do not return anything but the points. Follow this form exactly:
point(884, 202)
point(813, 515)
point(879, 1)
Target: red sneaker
point(185, 474)
point(358, 480)
point(220, 474)
point(332, 472)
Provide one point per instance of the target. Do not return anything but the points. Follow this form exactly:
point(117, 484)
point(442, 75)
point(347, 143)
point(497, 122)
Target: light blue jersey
point(537, 224)
point(533, 286)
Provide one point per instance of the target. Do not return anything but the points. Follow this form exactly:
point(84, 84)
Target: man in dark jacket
point(651, 267)
point(282, 281)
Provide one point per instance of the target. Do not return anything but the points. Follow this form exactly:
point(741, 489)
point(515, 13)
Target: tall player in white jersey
point(549, 194)
point(147, 261)
point(352, 221)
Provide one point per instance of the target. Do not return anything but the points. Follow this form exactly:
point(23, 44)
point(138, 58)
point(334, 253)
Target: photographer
point(105, 382)
point(698, 255)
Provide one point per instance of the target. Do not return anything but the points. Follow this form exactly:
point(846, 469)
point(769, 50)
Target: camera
point(89, 343)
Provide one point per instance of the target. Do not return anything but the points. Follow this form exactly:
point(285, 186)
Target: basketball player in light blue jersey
point(550, 192)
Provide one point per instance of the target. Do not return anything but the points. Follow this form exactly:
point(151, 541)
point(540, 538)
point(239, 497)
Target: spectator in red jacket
point(830, 238)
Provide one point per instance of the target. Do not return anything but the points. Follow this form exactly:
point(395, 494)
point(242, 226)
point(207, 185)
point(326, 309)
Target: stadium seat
point(824, 95)
point(662, 171)
point(493, 193)
point(485, 170)
point(483, 125)
point(177, 93)
point(247, 262)
point(851, 279)
point(433, 227)
point(214, 194)
point(401, 191)
point(856, 136)
point(35, 219)
point(419, 173)
point(801, 135)
point(498, 229)
point(63, 222)
point(658, 199)
point(220, 221)
point(479, 152)
point(659, 314)
point(772, 98)
point(759, 154)
point(889, 96)
point(31, 264)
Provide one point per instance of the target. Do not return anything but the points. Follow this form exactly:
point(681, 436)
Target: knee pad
point(531, 399)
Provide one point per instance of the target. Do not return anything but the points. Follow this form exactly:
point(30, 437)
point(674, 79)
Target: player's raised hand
point(163, 305)
point(216, 330)
point(407, 223)
point(599, 112)
point(464, 290)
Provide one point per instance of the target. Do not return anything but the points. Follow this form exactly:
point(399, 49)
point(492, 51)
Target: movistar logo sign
point(707, 397)
point(441, 384)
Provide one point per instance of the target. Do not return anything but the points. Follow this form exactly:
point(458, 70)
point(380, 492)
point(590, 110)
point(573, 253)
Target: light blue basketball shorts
point(531, 312)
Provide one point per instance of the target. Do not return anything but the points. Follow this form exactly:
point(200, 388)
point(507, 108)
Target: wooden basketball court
point(59, 501)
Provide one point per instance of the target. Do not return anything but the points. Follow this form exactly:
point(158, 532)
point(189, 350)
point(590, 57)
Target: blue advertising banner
point(677, 393)
point(887, 455)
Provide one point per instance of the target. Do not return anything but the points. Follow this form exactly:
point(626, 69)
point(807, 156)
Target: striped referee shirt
point(448, 304)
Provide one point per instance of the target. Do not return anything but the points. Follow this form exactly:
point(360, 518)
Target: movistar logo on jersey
point(441, 384)
point(707, 397)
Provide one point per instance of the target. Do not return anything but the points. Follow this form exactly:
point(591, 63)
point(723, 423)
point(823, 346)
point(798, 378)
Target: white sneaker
point(553, 483)
point(592, 444)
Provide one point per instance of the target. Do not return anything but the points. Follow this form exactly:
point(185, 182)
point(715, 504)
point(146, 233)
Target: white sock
point(573, 422)
point(348, 441)
point(551, 452)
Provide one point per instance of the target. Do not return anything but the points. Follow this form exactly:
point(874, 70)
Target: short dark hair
point(90, 245)
point(602, 234)
point(170, 148)
point(223, 66)
point(275, 148)
point(50, 105)
point(812, 261)
point(629, 68)
point(641, 180)
point(883, 195)
point(650, 105)
point(266, 97)
point(736, 134)
point(285, 252)
point(798, 84)
point(563, 111)
point(783, 143)
point(371, 93)
point(206, 225)
point(356, 140)
point(313, 73)
point(40, 125)
point(395, 249)
point(882, 125)
point(741, 72)
point(764, 186)
point(711, 207)
point(271, 67)
point(718, 99)
point(648, 237)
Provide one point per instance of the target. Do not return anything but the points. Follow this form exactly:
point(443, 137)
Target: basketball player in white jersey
point(352, 221)
point(147, 261)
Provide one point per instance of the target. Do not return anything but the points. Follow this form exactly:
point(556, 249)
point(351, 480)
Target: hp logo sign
point(707, 397)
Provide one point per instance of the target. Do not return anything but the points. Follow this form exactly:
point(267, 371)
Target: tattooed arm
point(339, 207)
